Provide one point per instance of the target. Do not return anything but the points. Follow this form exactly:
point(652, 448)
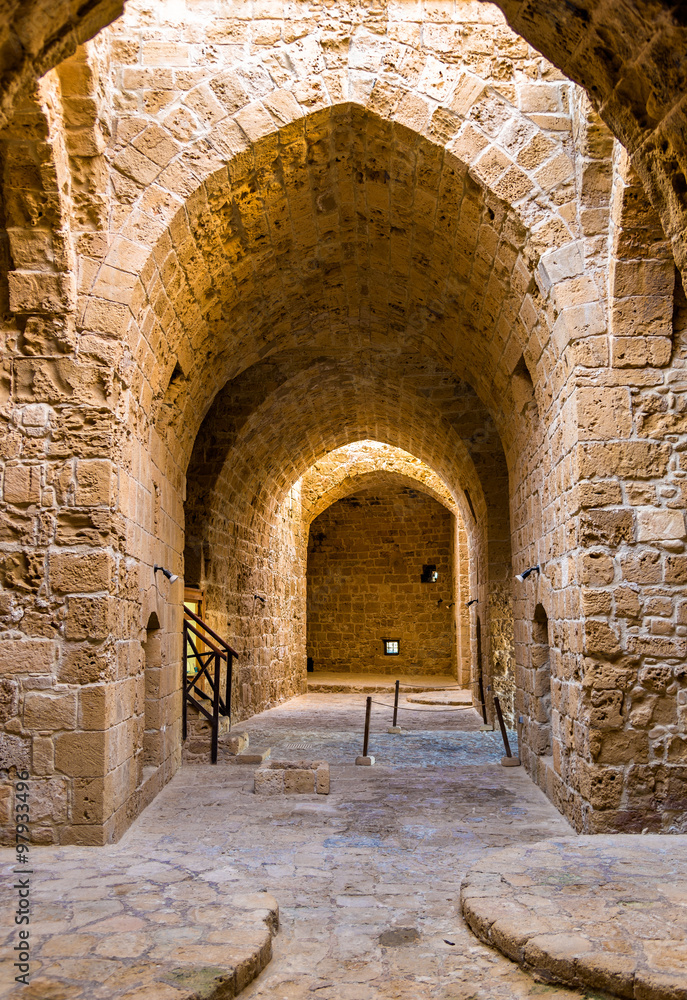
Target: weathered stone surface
point(237, 243)
point(364, 587)
point(559, 908)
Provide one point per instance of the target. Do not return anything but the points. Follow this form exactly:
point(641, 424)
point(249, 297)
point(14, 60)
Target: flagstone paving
point(367, 879)
point(606, 912)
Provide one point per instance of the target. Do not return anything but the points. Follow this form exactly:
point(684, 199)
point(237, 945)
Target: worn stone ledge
point(117, 924)
point(607, 912)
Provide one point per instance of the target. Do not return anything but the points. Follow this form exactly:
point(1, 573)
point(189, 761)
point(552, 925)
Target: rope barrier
point(403, 708)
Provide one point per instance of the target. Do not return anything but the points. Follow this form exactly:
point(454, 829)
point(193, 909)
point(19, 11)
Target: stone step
point(326, 682)
point(196, 749)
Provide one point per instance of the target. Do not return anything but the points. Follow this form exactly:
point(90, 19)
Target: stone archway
point(351, 213)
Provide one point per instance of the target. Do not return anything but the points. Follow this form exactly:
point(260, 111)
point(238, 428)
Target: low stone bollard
point(301, 777)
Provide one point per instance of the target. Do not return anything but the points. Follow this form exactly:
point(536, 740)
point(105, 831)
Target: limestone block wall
point(413, 203)
point(373, 464)
point(365, 558)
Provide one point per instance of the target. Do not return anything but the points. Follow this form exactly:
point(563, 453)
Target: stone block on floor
point(302, 777)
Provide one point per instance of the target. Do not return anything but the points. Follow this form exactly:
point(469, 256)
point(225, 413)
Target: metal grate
point(299, 746)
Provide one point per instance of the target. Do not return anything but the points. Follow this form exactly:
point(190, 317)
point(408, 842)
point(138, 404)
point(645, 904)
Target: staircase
point(207, 666)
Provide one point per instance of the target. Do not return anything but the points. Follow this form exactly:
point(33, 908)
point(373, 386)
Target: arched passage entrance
point(349, 238)
point(380, 582)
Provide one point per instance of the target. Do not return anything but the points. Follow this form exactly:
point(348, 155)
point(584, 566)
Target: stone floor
point(606, 912)
point(331, 726)
point(367, 879)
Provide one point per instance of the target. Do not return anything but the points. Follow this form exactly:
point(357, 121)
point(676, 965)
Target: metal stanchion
point(394, 727)
point(485, 727)
point(365, 759)
point(509, 760)
point(481, 698)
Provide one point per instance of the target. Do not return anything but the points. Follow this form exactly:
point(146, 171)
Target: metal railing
point(207, 666)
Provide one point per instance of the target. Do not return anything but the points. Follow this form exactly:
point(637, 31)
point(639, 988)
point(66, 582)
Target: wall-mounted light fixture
point(257, 597)
point(525, 573)
point(473, 601)
point(172, 577)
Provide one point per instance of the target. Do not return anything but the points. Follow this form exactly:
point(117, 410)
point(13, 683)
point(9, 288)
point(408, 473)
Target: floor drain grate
point(299, 746)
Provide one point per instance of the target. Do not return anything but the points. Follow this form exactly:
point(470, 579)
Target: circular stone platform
point(460, 697)
point(608, 912)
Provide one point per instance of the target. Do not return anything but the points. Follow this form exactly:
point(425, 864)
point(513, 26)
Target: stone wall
point(396, 223)
point(365, 559)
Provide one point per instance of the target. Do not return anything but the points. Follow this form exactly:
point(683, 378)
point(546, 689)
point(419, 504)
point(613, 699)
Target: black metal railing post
point(396, 703)
point(366, 737)
point(502, 726)
point(208, 662)
point(482, 699)
point(184, 668)
point(215, 709)
point(227, 696)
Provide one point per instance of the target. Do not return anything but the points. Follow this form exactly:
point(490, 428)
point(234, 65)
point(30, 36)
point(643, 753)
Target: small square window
point(392, 647)
point(429, 574)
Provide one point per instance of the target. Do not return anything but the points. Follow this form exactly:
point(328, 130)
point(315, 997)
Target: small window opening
point(392, 647)
point(429, 574)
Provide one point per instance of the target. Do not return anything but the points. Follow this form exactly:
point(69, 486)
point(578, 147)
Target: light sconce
point(523, 576)
point(172, 577)
point(473, 601)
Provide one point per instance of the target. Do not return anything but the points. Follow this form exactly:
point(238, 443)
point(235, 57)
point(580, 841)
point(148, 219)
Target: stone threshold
point(325, 682)
point(606, 912)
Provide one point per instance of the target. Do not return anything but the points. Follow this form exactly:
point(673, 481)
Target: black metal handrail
point(205, 665)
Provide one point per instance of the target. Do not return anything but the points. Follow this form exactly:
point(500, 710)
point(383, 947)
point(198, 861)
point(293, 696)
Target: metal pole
point(504, 734)
point(215, 710)
point(227, 699)
point(484, 704)
point(366, 738)
point(184, 679)
point(396, 703)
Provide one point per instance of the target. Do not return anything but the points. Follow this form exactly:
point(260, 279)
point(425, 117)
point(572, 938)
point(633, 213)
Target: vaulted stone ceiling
point(630, 56)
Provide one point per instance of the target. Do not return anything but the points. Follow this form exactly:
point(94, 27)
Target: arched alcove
point(153, 723)
point(370, 606)
point(540, 737)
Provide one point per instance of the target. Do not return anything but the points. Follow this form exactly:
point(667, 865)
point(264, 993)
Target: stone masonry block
point(103, 706)
point(49, 711)
point(80, 754)
point(41, 292)
point(27, 656)
point(80, 573)
point(87, 618)
point(94, 483)
point(60, 380)
point(656, 525)
point(563, 262)
point(292, 777)
point(603, 413)
point(299, 780)
point(42, 755)
point(22, 484)
point(639, 351)
point(577, 323)
point(267, 782)
point(322, 782)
